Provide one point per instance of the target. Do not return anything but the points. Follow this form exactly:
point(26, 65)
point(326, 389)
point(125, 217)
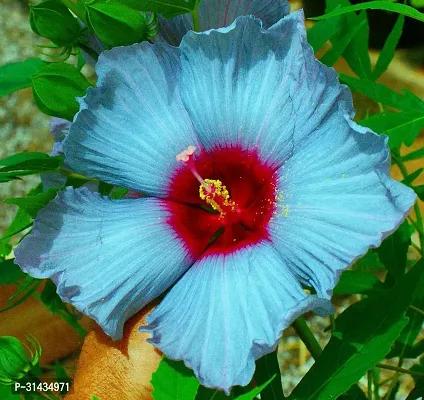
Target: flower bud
point(116, 24)
point(15, 363)
point(52, 20)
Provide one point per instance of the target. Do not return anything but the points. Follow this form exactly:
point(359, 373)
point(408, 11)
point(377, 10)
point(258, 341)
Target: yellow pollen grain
point(219, 192)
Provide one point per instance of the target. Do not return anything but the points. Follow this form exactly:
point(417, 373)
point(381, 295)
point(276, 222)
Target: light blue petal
point(217, 14)
point(335, 200)
point(227, 311)
point(131, 127)
point(108, 258)
point(249, 86)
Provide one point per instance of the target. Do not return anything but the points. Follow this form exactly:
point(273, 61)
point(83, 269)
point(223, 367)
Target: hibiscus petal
point(130, 128)
point(217, 14)
point(227, 311)
point(335, 200)
point(108, 258)
point(242, 84)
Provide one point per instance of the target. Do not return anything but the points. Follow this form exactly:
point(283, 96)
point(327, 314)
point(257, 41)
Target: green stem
point(418, 310)
point(74, 175)
point(400, 370)
point(380, 107)
point(77, 8)
point(195, 16)
point(304, 332)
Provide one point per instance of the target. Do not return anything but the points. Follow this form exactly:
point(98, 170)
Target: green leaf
point(10, 273)
point(168, 8)
point(414, 155)
point(174, 381)
point(357, 282)
point(369, 262)
point(419, 190)
point(340, 46)
point(17, 76)
point(55, 88)
point(363, 335)
point(409, 179)
point(260, 389)
point(376, 5)
point(401, 127)
point(17, 159)
point(394, 250)
point(388, 51)
point(354, 40)
point(266, 367)
point(15, 167)
point(33, 204)
point(115, 24)
point(321, 32)
point(383, 94)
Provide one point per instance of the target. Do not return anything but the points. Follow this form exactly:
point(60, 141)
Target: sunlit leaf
point(174, 381)
point(17, 76)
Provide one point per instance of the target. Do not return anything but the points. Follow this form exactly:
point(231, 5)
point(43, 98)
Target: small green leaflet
point(388, 51)
point(400, 127)
point(27, 164)
point(410, 178)
point(32, 204)
point(321, 32)
point(376, 5)
point(340, 45)
point(363, 336)
point(174, 381)
point(17, 76)
point(167, 8)
point(357, 282)
point(414, 155)
point(351, 41)
point(406, 101)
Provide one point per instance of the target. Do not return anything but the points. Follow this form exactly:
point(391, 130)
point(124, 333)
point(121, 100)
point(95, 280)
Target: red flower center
point(232, 206)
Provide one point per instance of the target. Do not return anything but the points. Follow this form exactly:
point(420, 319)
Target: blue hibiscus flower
point(259, 184)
